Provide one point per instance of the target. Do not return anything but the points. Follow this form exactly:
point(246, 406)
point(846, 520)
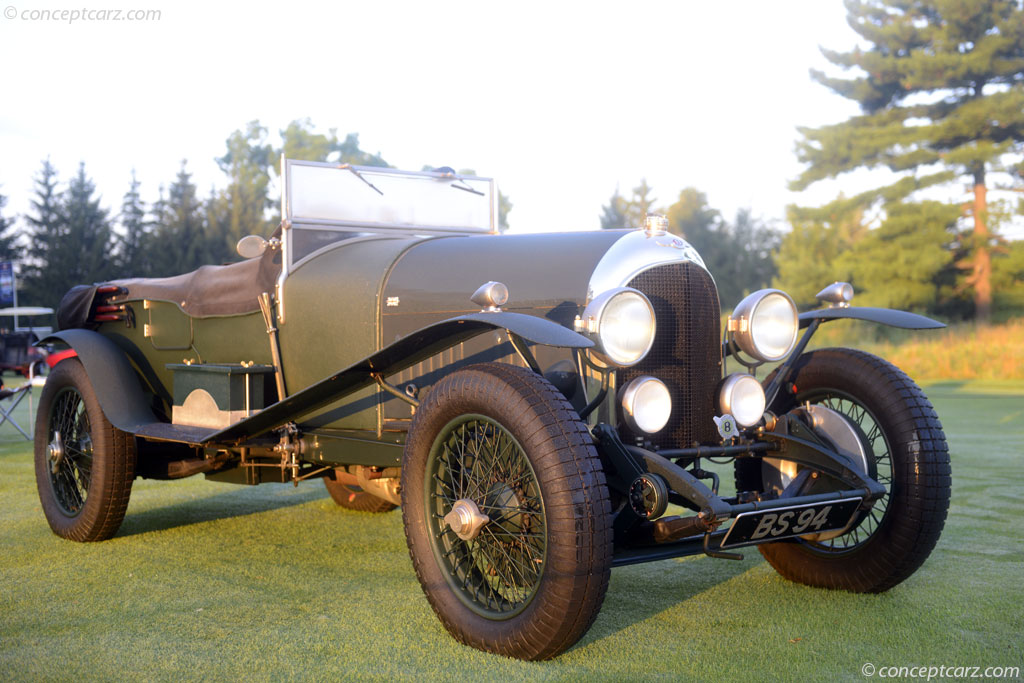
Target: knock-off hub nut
point(465, 519)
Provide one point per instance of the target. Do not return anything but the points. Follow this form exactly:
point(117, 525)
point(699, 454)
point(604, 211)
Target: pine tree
point(89, 243)
point(808, 256)
point(941, 89)
point(179, 240)
point(900, 263)
point(745, 260)
point(9, 247)
point(613, 215)
point(639, 205)
point(1008, 279)
point(44, 286)
point(217, 218)
point(132, 249)
point(71, 239)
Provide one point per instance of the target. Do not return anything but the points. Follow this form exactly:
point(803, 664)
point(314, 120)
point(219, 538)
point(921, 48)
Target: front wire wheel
point(880, 469)
point(506, 512)
point(497, 571)
point(904, 438)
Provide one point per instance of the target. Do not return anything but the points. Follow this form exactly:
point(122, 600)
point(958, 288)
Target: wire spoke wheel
point(905, 451)
point(506, 512)
point(497, 572)
point(70, 451)
point(84, 465)
point(880, 469)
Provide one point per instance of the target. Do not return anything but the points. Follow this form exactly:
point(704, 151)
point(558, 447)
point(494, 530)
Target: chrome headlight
point(742, 396)
point(764, 325)
point(621, 323)
point(646, 404)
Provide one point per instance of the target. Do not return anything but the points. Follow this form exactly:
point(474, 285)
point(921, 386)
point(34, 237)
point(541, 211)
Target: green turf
point(217, 582)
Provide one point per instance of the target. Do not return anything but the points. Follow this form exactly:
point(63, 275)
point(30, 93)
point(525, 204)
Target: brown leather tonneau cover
point(212, 290)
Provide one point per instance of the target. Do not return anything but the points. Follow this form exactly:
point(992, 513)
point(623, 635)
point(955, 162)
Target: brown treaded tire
point(521, 565)
point(84, 465)
point(911, 459)
point(354, 498)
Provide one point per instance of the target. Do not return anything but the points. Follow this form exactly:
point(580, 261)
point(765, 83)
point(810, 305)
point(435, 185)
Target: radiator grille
point(687, 352)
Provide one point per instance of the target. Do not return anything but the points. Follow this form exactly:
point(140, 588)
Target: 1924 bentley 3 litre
point(533, 402)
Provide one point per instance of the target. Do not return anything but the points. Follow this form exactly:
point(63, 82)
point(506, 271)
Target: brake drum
point(844, 436)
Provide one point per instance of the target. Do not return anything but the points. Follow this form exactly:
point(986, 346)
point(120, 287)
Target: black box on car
point(219, 394)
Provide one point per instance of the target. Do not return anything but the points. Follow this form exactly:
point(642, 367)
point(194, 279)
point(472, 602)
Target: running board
point(165, 431)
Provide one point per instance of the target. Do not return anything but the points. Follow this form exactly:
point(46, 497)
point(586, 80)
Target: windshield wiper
point(360, 176)
point(465, 187)
point(449, 172)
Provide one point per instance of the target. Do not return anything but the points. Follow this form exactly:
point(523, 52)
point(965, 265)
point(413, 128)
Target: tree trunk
point(982, 260)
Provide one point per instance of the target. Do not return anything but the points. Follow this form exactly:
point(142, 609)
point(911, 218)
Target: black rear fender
point(118, 386)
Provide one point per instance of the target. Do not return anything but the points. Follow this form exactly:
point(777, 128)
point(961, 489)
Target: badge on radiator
point(726, 426)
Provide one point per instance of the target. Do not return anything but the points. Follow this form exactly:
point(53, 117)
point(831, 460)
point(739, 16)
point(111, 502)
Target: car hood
point(546, 274)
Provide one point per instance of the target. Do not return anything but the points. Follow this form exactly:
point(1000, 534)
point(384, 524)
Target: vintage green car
point(534, 403)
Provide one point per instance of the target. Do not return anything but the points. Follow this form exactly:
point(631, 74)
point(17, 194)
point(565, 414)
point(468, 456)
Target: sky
point(561, 101)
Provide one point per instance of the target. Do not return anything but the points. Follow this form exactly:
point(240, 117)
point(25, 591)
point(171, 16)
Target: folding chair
point(5, 410)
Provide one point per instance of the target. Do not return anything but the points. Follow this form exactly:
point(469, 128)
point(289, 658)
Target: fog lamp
point(742, 396)
point(646, 404)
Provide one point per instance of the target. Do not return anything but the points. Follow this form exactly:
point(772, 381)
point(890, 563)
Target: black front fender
point(117, 385)
point(884, 316)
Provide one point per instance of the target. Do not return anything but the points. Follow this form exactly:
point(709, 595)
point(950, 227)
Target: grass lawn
point(219, 582)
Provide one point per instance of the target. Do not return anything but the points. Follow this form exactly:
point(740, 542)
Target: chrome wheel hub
point(55, 450)
point(465, 519)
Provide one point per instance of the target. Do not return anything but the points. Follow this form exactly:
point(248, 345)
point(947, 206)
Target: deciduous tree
point(299, 140)
point(808, 255)
point(246, 200)
point(628, 213)
point(738, 255)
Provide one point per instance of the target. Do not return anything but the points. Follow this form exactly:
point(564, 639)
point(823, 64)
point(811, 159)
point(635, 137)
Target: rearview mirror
point(251, 246)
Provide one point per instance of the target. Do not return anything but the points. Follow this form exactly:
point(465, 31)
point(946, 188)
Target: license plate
point(761, 526)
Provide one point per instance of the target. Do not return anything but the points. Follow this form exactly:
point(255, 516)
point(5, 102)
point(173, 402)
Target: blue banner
point(6, 283)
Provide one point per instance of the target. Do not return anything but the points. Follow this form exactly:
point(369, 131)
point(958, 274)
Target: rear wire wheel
point(903, 434)
point(506, 512)
point(84, 465)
